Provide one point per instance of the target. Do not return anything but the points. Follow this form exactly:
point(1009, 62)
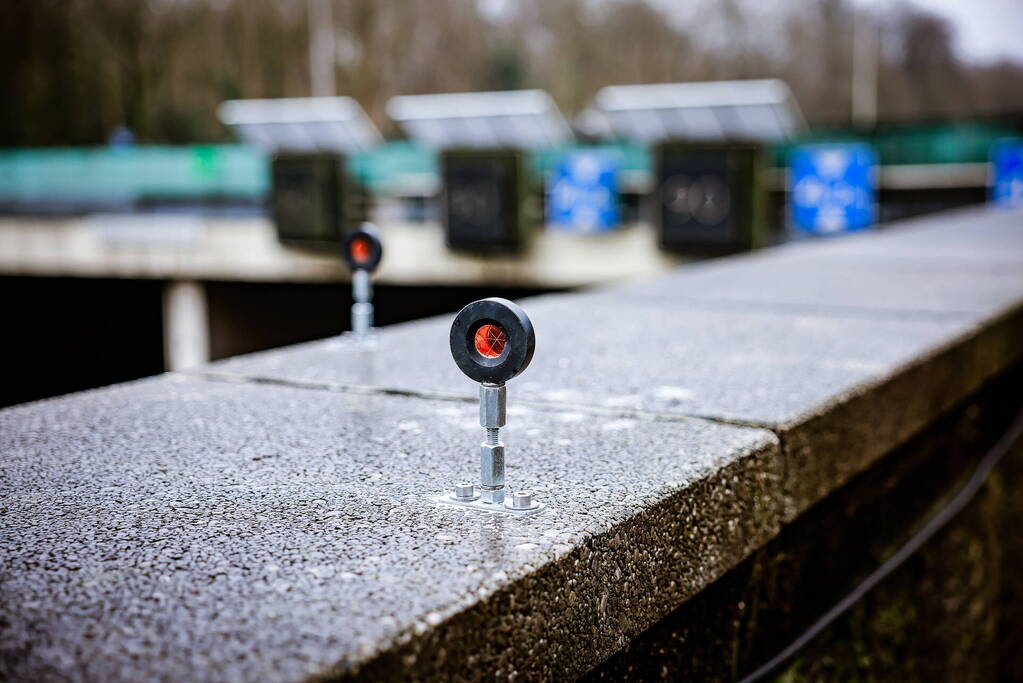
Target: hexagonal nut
point(464, 490)
point(522, 500)
point(492, 465)
point(493, 400)
point(492, 496)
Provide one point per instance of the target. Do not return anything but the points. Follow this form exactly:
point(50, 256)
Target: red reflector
point(360, 249)
point(490, 341)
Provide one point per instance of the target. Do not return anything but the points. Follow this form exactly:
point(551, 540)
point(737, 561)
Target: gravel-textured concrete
point(844, 357)
point(275, 527)
point(966, 265)
point(184, 529)
point(968, 240)
point(841, 390)
point(837, 287)
point(974, 240)
point(739, 365)
point(802, 282)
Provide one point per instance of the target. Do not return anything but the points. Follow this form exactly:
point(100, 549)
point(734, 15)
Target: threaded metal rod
point(493, 435)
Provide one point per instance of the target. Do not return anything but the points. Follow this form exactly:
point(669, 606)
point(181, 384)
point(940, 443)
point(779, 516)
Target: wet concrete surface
point(843, 356)
point(267, 516)
point(185, 529)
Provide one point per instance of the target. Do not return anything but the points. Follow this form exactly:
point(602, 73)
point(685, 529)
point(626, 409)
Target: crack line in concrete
point(441, 396)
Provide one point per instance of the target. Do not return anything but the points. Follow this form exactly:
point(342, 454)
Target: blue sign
point(1007, 173)
point(583, 193)
point(832, 187)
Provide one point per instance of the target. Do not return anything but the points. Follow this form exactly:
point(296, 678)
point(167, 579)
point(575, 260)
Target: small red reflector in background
point(360, 249)
point(490, 341)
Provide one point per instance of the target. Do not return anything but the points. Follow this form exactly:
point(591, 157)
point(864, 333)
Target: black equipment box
point(709, 197)
point(484, 199)
point(313, 200)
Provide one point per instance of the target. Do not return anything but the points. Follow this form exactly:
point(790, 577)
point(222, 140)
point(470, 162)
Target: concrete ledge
point(841, 440)
point(266, 517)
point(844, 356)
point(182, 529)
point(951, 613)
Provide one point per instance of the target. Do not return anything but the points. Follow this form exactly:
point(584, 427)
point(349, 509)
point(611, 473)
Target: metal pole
point(321, 48)
point(866, 44)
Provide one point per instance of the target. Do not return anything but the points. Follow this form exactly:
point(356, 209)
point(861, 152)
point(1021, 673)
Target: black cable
point(940, 519)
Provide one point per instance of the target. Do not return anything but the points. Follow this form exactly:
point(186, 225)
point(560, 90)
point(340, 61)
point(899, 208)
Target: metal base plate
point(446, 499)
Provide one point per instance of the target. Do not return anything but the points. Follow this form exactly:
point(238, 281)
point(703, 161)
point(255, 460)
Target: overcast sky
point(985, 30)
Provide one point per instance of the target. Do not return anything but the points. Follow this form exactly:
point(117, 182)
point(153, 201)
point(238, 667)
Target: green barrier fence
point(240, 173)
point(112, 175)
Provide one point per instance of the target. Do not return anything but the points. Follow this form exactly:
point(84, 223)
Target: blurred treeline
point(73, 70)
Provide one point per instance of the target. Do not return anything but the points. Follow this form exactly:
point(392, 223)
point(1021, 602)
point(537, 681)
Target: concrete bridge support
point(186, 328)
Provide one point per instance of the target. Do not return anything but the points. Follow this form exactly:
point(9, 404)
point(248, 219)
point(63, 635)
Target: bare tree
point(73, 70)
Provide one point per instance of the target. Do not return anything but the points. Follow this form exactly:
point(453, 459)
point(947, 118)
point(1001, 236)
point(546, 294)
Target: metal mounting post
point(492, 341)
point(362, 250)
point(362, 308)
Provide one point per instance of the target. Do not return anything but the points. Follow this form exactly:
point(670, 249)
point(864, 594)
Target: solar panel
point(757, 110)
point(518, 119)
point(301, 124)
